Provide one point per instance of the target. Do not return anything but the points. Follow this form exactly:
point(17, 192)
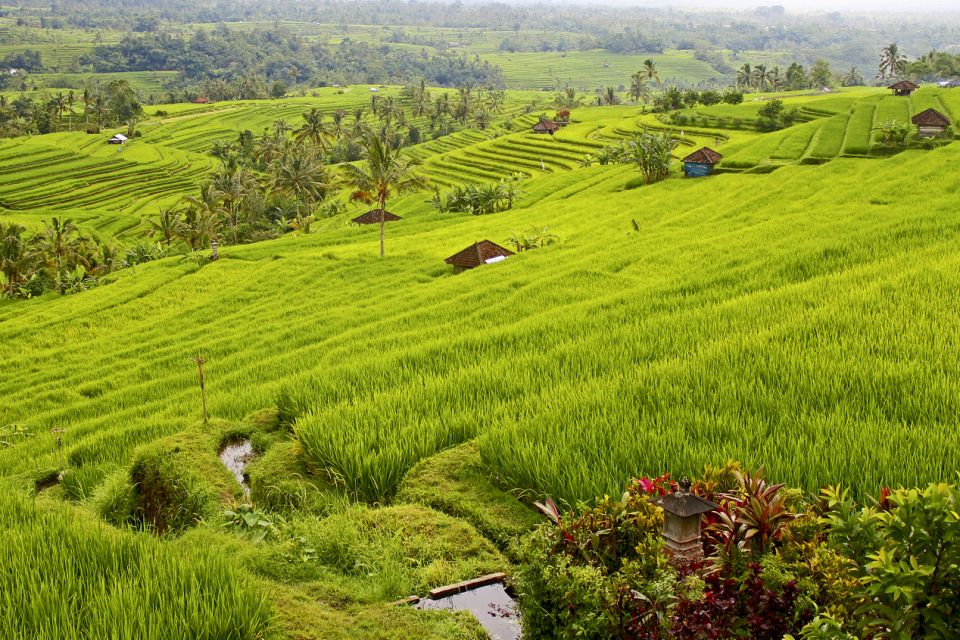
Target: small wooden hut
point(374, 217)
point(903, 88)
point(931, 123)
point(117, 139)
point(479, 253)
point(546, 126)
point(201, 100)
point(701, 163)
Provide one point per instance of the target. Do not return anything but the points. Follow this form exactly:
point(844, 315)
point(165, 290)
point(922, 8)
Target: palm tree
point(609, 97)
point(760, 77)
point(315, 130)
point(639, 89)
point(386, 171)
point(301, 175)
point(201, 218)
point(87, 101)
point(853, 78)
point(167, 225)
point(358, 130)
point(568, 99)
point(58, 240)
point(650, 70)
point(338, 125)
point(745, 77)
point(17, 260)
point(892, 62)
point(494, 100)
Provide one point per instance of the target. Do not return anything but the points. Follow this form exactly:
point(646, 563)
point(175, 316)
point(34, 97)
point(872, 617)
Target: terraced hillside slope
point(801, 318)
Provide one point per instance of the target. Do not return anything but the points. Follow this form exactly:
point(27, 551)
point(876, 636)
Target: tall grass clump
point(368, 453)
point(64, 578)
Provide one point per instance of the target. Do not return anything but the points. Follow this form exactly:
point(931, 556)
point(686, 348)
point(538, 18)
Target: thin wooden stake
point(200, 361)
point(57, 433)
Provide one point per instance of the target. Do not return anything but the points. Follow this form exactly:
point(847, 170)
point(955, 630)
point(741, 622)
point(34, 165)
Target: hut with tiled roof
point(374, 217)
point(903, 88)
point(931, 123)
point(701, 162)
point(479, 253)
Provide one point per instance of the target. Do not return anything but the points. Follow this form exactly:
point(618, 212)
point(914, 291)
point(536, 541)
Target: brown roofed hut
point(700, 163)
point(903, 88)
point(373, 217)
point(546, 126)
point(201, 100)
point(931, 123)
point(479, 253)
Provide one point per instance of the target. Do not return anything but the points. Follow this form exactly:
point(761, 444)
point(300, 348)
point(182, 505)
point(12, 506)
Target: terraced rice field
point(801, 320)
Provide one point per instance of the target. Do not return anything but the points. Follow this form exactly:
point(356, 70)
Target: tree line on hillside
point(277, 55)
point(60, 258)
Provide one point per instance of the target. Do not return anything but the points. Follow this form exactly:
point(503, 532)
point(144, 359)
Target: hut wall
point(930, 132)
point(697, 169)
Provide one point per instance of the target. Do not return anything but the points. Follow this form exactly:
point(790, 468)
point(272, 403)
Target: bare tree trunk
point(383, 221)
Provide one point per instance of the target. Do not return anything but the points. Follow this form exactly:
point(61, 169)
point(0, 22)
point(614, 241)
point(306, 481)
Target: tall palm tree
point(650, 70)
point(338, 124)
point(892, 62)
point(568, 99)
point(386, 172)
point(853, 78)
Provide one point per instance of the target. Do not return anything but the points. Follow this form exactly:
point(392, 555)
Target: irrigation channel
point(488, 601)
point(235, 457)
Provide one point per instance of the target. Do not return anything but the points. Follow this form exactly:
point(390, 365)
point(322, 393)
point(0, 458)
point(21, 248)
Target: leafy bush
point(597, 574)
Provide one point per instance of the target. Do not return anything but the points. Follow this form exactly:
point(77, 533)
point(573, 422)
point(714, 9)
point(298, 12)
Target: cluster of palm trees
point(467, 105)
point(25, 115)
point(283, 180)
point(58, 258)
point(760, 78)
point(650, 151)
point(480, 199)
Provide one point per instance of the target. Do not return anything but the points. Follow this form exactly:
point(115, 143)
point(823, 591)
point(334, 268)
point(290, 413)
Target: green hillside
point(795, 311)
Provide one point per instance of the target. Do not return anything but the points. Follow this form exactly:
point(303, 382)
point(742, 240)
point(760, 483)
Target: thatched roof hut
point(701, 162)
point(374, 217)
point(201, 100)
point(931, 123)
point(546, 126)
point(117, 139)
point(479, 253)
point(903, 88)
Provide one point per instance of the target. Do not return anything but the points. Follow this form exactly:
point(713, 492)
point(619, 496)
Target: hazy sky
point(914, 6)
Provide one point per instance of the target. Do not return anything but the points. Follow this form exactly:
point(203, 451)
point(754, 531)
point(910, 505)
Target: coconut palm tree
point(745, 77)
point(315, 130)
point(167, 225)
point(760, 77)
point(59, 241)
point(338, 124)
point(639, 89)
point(853, 78)
point(650, 70)
point(892, 62)
point(609, 97)
point(301, 175)
point(386, 171)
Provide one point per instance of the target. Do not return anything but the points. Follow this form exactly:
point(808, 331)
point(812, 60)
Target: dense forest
point(843, 39)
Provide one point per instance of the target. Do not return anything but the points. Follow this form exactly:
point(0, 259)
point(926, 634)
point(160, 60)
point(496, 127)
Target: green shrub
point(113, 499)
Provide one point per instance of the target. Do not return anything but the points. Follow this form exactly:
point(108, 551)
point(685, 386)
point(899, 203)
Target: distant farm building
point(374, 216)
point(546, 126)
point(931, 123)
point(479, 253)
point(201, 100)
point(903, 88)
point(117, 139)
point(701, 163)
